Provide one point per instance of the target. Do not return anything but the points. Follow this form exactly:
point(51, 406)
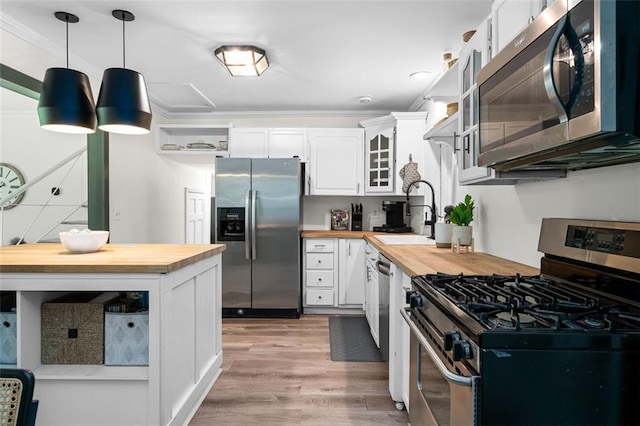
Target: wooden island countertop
point(112, 258)
point(428, 259)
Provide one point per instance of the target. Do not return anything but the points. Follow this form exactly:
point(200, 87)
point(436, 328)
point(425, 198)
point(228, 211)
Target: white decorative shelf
point(184, 134)
point(445, 87)
point(446, 129)
point(90, 372)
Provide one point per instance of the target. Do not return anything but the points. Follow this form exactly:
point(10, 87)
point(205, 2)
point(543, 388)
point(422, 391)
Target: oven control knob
point(408, 295)
point(449, 338)
point(461, 350)
point(416, 301)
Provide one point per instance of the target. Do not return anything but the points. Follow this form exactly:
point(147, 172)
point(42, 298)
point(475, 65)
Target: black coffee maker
point(395, 218)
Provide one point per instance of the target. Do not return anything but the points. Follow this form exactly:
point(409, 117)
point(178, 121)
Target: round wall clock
point(10, 180)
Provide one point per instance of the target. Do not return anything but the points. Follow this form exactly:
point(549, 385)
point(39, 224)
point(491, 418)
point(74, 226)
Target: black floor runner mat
point(351, 340)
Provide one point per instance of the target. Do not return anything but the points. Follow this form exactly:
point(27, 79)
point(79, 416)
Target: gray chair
point(17, 406)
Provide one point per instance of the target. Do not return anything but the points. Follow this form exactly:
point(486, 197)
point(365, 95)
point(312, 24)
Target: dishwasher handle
point(383, 268)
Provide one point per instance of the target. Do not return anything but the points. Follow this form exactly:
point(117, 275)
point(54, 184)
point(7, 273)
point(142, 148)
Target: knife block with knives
point(356, 217)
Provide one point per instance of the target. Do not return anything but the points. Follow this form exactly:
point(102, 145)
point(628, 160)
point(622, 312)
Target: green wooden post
point(19, 82)
point(98, 185)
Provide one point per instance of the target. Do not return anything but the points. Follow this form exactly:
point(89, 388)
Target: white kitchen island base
point(185, 339)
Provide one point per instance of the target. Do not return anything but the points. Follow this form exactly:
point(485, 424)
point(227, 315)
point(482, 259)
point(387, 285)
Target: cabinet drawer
point(319, 260)
point(320, 278)
point(319, 297)
point(318, 245)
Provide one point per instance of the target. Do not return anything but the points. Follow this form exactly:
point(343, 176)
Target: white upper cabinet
point(378, 161)
point(409, 146)
point(248, 142)
point(390, 142)
point(287, 143)
point(510, 17)
point(335, 162)
point(271, 143)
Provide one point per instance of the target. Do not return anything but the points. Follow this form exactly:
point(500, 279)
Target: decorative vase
point(463, 234)
point(444, 232)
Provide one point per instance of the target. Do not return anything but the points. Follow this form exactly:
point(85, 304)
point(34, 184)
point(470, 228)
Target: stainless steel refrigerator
point(258, 213)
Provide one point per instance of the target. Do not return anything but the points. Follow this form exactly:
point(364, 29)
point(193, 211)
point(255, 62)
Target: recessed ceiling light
point(420, 75)
point(365, 99)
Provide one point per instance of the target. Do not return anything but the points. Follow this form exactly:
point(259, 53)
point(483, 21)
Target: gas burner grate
point(517, 302)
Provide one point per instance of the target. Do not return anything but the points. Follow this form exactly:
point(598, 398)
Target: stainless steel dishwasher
point(384, 272)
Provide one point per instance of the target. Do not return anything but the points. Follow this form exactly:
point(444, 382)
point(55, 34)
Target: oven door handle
point(453, 378)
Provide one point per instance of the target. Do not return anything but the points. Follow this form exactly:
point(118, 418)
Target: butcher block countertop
point(428, 259)
point(124, 258)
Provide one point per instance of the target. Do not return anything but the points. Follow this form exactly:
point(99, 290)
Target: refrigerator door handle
point(253, 224)
point(247, 231)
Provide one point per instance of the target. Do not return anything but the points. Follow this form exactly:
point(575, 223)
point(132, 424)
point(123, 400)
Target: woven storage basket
point(73, 330)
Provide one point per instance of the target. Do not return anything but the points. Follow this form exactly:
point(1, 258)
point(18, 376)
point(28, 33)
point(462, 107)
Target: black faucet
point(434, 215)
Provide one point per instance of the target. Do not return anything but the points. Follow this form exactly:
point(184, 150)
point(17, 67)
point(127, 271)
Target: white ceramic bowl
point(84, 241)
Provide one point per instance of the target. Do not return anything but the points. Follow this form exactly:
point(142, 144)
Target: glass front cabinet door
point(379, 161)
point(473, 56)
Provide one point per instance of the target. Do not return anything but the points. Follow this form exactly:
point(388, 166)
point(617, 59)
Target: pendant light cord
point(123, 44)
point(67, 19)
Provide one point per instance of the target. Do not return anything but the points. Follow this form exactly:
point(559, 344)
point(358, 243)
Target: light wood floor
point(279, 372)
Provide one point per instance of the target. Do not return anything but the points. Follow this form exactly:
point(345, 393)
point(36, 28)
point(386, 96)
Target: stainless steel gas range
point(560, 348)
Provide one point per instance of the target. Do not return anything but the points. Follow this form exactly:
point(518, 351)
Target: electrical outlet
point(117, 214)
point(375, 214)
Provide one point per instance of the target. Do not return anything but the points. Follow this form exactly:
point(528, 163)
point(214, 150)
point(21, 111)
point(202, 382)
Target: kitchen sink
point(410, 240)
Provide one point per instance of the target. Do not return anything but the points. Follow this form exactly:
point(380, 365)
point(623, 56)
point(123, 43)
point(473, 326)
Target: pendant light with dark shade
point(66, 102)
point(123, 103)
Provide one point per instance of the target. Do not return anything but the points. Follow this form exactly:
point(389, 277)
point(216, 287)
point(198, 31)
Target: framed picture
point(339, 220)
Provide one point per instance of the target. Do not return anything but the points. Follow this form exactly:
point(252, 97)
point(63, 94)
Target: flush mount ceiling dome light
point(243, 61)
point(420, 75)
point(66, 102)
point(123, 103)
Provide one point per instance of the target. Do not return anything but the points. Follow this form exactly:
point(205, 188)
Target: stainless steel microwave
point(565, 93)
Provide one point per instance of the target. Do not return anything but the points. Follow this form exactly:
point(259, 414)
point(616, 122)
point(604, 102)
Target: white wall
point(316, 211)
point(508, 218)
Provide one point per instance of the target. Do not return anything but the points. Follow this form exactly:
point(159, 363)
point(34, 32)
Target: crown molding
point(272, 114)
point(30, 36)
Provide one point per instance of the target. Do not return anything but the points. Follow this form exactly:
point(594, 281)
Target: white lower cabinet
point(371, 297)
point(320, 275)
point(334, 273)
point(319, 297)
point(351, 274)
point(398, 338)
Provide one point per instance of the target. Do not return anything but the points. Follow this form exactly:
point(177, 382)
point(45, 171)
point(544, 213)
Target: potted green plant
point(461, 217)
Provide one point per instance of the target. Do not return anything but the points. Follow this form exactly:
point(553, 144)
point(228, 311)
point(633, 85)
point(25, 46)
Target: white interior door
point(194, 216)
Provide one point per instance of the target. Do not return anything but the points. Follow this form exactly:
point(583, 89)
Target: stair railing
point(3, 201)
